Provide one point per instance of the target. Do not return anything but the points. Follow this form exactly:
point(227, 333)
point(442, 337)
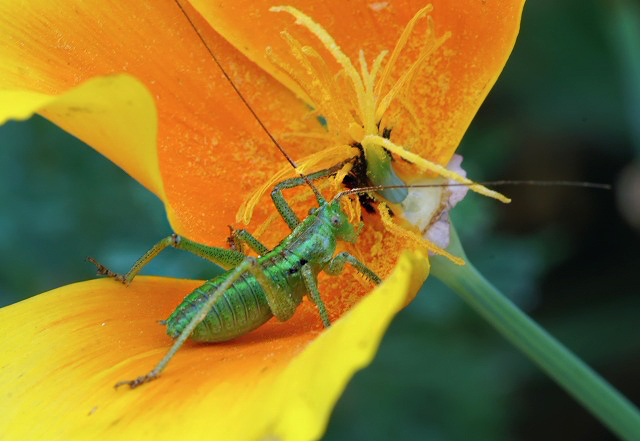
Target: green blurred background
point(566, 107)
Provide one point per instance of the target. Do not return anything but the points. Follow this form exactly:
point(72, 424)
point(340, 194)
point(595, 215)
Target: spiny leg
point(281, 204)
point(104, 271)
point(247, 264)
point(221, 256)
point(314, 293)
point(281, 304)
point(232, 242)
point(336, 265)
point(240, 236)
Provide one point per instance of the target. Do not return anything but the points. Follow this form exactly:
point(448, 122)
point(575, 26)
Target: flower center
point(358, 107)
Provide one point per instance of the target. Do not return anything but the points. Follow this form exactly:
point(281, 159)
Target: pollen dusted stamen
point(359, 106)
point(414, 237)
point(433, 167)
point(400, 44)
point(339, 152)
point(406, 77)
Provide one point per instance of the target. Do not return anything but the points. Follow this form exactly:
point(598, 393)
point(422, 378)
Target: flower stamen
point(360, 107)
point(405, 79)
point(432, 167)
point(341, 152)
point(415, 238)
point(400, 44)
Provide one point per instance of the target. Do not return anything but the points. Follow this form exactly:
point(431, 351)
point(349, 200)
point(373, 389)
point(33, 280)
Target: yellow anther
point(431, 166)
point(414, 237)
point(333, 154)
point(358, 106)
point(400, 44)
point(328, 42)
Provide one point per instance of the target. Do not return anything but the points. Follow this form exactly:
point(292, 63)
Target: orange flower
point(133, 80)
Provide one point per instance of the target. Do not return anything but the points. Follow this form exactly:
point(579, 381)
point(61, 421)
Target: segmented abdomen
point(242, 308)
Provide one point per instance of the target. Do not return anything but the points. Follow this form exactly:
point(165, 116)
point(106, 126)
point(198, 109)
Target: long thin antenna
point(488, 183)
point(246, 103)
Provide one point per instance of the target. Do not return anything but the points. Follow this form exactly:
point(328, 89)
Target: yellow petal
point(62, 351)
point(114, 114)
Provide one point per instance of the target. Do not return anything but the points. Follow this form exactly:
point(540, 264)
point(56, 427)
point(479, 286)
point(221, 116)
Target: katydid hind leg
point(248, 264)
point(139, 264)
point(282, 305)
point(224, 257)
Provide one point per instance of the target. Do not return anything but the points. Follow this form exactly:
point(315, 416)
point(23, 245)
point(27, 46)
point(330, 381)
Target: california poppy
point(135, 82)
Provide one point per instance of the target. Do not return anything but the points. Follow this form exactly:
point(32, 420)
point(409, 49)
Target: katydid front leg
point(281, 204)
point(336, 265)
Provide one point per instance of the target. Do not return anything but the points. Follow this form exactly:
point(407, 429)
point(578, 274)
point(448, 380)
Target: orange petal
point(62, 352)
point(211, 152)
point(210, 148)
point(451, 89)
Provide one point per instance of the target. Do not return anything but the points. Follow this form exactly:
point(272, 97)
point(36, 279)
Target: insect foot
point(233, 243)
point(138, 381)
point(104, 271)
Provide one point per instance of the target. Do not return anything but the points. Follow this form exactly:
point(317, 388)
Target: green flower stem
point(625, 33)
point(586, 386)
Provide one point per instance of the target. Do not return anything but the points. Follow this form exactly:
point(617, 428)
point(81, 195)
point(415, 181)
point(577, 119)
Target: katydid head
point(333, 215)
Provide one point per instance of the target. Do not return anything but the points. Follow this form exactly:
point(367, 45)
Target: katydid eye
point(335, 221)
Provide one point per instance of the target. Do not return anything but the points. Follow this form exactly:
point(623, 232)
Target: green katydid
point(272, 285)
point(257, 289)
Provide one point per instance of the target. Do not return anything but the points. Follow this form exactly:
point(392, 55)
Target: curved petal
point(448, 92)
point(115, 114)
point(210, 148)
point(62, 352)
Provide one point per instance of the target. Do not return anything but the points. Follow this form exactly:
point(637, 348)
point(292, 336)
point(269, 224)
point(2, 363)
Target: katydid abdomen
point(243, 307)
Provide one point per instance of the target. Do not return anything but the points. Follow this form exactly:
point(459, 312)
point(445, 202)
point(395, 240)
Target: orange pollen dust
point(357, 107)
